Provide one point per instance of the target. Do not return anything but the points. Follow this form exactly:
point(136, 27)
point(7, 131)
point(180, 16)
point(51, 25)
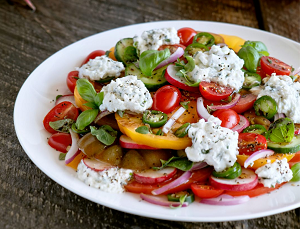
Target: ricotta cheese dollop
point(219, 65)
point(110, 180)
point(286, 94)
point(276, 173)
point(126, 93)
point(100, 68)
point(153, 39)
point(213, 144)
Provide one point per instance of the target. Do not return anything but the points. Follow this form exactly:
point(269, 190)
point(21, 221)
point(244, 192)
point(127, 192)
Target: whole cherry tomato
point(186, 35)
point(213, 91)
point(93, 55)
point(166, 99)
point(228, 117)
point(71, 80)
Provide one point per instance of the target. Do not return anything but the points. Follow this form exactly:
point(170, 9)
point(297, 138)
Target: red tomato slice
point(257, 191)
point(228, 117)
point(296, 158)
point(272, 65)
point(186, 35)
point(93, 55)
point(245, 103)
point(166, 99)
point(198, 176)
point(61, 111)
point(260, 72)
point(71, 80)
point(172, 48)
point(213, 91)
point(205, 191)
point(60, 141)
point(250, 142)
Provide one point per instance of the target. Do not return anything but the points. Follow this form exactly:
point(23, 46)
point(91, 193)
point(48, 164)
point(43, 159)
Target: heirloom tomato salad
point(174, 115)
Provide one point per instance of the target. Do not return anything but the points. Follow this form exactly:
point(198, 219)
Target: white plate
point(36, 97)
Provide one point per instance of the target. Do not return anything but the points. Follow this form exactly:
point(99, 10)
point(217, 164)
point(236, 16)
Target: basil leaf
point(149, 60)
point(190, 64)
point(86, 90)
point(142, 130)
point(296, 172)
point(91, 105)
point(260, 47)
point(181, 163)
point(62, 125)
point(250, 56)
point(130, 54)
point(107, 53)
point(84, 131)
point(185, 104)
point(62, 156)
point(86, 118)
point(99, 99)
point(104, 134)
point(282, 130)
point(57, 97)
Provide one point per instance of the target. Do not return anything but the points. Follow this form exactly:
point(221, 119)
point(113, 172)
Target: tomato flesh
point(271, 65)
point(228, 117)
point(166, 99)
point(213, 91)
point(93, 55)
point(250, 142)
point(63, 110)
point(205, 191)
point(245, 103)
point(60, 141)
point(186, 35)
point(71, 80)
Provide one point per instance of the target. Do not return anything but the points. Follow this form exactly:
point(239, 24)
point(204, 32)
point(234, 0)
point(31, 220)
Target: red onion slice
point(101, 115)
point(198, 165)
point(177, 54)
point(226, 200)
point(257, 155)
point(296, 72)
point(66, 98)
point(167, 127)
point(278, 116)
point(201, 110)
point(74, 149)
point(297, 132)
point(243, 123)
point(228, 105)
point(180, 180)
point(161, 201)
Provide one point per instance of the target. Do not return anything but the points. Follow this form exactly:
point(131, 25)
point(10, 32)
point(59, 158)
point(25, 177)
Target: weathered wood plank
point(28, 198)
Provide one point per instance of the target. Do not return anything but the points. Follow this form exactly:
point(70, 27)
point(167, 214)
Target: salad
point(176, 114)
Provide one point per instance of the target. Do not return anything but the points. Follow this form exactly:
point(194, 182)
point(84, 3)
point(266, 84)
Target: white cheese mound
point(219, 65)
point(213, 144)
point(286, 93)
point(153, 39)
point(101, 67)
point(111, 180)
point(276, 173)
point(126, 93)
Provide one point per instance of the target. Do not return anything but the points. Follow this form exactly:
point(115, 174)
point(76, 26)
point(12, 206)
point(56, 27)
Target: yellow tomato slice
point(190, 115)
point(233, 42)
point(260, 162)
point(80, 101)
point(112, 53)
point(128, 123)
point(74, 164)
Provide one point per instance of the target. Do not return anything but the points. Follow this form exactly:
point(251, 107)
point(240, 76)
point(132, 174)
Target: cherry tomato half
point(272, 65)
point(205, 191)
point(60, 141)
point(186, 35)
point(245, 103)
point(250, 142)
point(71, 80)
point(166, 99)
point(213, 91)
point(172, 48)
point(260, 72)
point(228, 117)
point(93, 55)
point(61, 111)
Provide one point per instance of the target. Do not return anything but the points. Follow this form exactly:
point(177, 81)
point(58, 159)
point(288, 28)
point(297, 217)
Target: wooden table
point(28, 198)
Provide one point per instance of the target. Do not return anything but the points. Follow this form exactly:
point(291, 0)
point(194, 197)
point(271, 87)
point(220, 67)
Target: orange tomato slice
point(233, 42)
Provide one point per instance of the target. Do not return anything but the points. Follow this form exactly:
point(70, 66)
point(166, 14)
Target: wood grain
point(28, 198)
